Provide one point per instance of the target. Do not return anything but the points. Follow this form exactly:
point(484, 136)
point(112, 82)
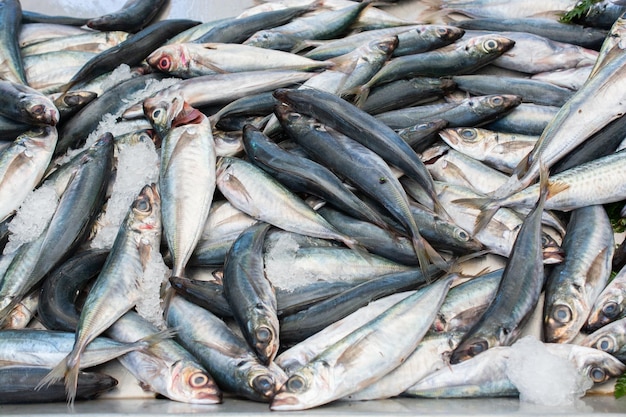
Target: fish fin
point(513, 184)
point(360, 95)
point(68, 370)
point(545, 188)
point(486, 206)
point(556, 187)
point(145, 343)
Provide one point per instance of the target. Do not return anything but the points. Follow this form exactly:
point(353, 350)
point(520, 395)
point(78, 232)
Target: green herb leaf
point(620, 386)
point(578, 12)
point(617, 221)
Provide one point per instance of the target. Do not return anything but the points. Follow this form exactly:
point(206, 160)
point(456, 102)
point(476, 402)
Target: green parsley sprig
point(578, 12)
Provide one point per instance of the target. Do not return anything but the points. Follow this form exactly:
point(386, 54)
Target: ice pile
point(32, 217)
point(542, 377)
point(155, 275)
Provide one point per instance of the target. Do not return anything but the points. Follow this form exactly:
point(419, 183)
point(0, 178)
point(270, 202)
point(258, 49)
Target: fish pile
point(294, 205)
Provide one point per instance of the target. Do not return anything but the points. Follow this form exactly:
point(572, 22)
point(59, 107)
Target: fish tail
point(68, 370)
point(360, 95)
point(56, 374)
point(487, 207)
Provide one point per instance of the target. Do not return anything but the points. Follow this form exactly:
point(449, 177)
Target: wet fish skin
point(411, 39)
point(237, 30)
point(518, 293)
point(610, 304)
point(18, 383)
point(22, 165)
point(133, 16)
point(109, 298)
point(165, 367)
point(131, 52)
point(357, 357)
point(189, 60)
point(324, 25)
point(26, 105)
point(298, 326)
point(586, 36)
point(11, 23)
point(465, 57)
point(500, 150)
point(610, 338)
point(574, 285)
point(225, 355)
point(57, 311)
point(250, 294)
point(304, 175)
point(348, 120)
point(186, 183)
point(250, 189)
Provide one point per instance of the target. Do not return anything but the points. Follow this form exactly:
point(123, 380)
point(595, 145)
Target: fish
point(188, 161)
point(609, 305)
point(139, 232)
point(250, 189)
point(133, 16)
point(574, 284)
point(22, 166)
point(164, 367)
point(11, 23)
point(517, 294)
point(226, 355)
point(24, 104)
point(250, 294)
point(189, 60)
point(358, 356)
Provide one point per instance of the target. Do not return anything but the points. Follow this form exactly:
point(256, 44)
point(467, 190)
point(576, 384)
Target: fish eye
point(164, 63)
point(295, 383)
point(478, 347)
point(156, 114)
point(497, 101)
point(611, 309)
point(442, 31)
point(263, 334)
point(606, 344)
point(198, 379)
point(468, 134)
point(462, 235)
point(597, 374)
point(142, 205)
point(490, 45)
point(293, 117)
point(263, 383)
point(562, 314)
point(38, 110)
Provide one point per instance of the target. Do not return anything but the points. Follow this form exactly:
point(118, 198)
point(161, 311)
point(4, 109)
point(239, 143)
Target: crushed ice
point(32, 217)
point(543, 378)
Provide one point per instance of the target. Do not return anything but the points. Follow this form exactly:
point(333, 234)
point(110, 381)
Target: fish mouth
point(285, 403)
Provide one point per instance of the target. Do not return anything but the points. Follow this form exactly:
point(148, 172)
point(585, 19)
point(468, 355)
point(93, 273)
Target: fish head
point(264, 337)
point(603, 340)
point(464, 137)
point(609, 307)
point(162, 109)
point(552, 252)
point(469, 348)
point(228, 143)
point(562, 321)
point(146, 209)
point(492, 45)
point(190, 383)
point(263, 380)
point(170, 59)
point(303, 389)
point(599, 366)
point(272, 39)
point(39, 109)
point(445, 33)
point(500, 102)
